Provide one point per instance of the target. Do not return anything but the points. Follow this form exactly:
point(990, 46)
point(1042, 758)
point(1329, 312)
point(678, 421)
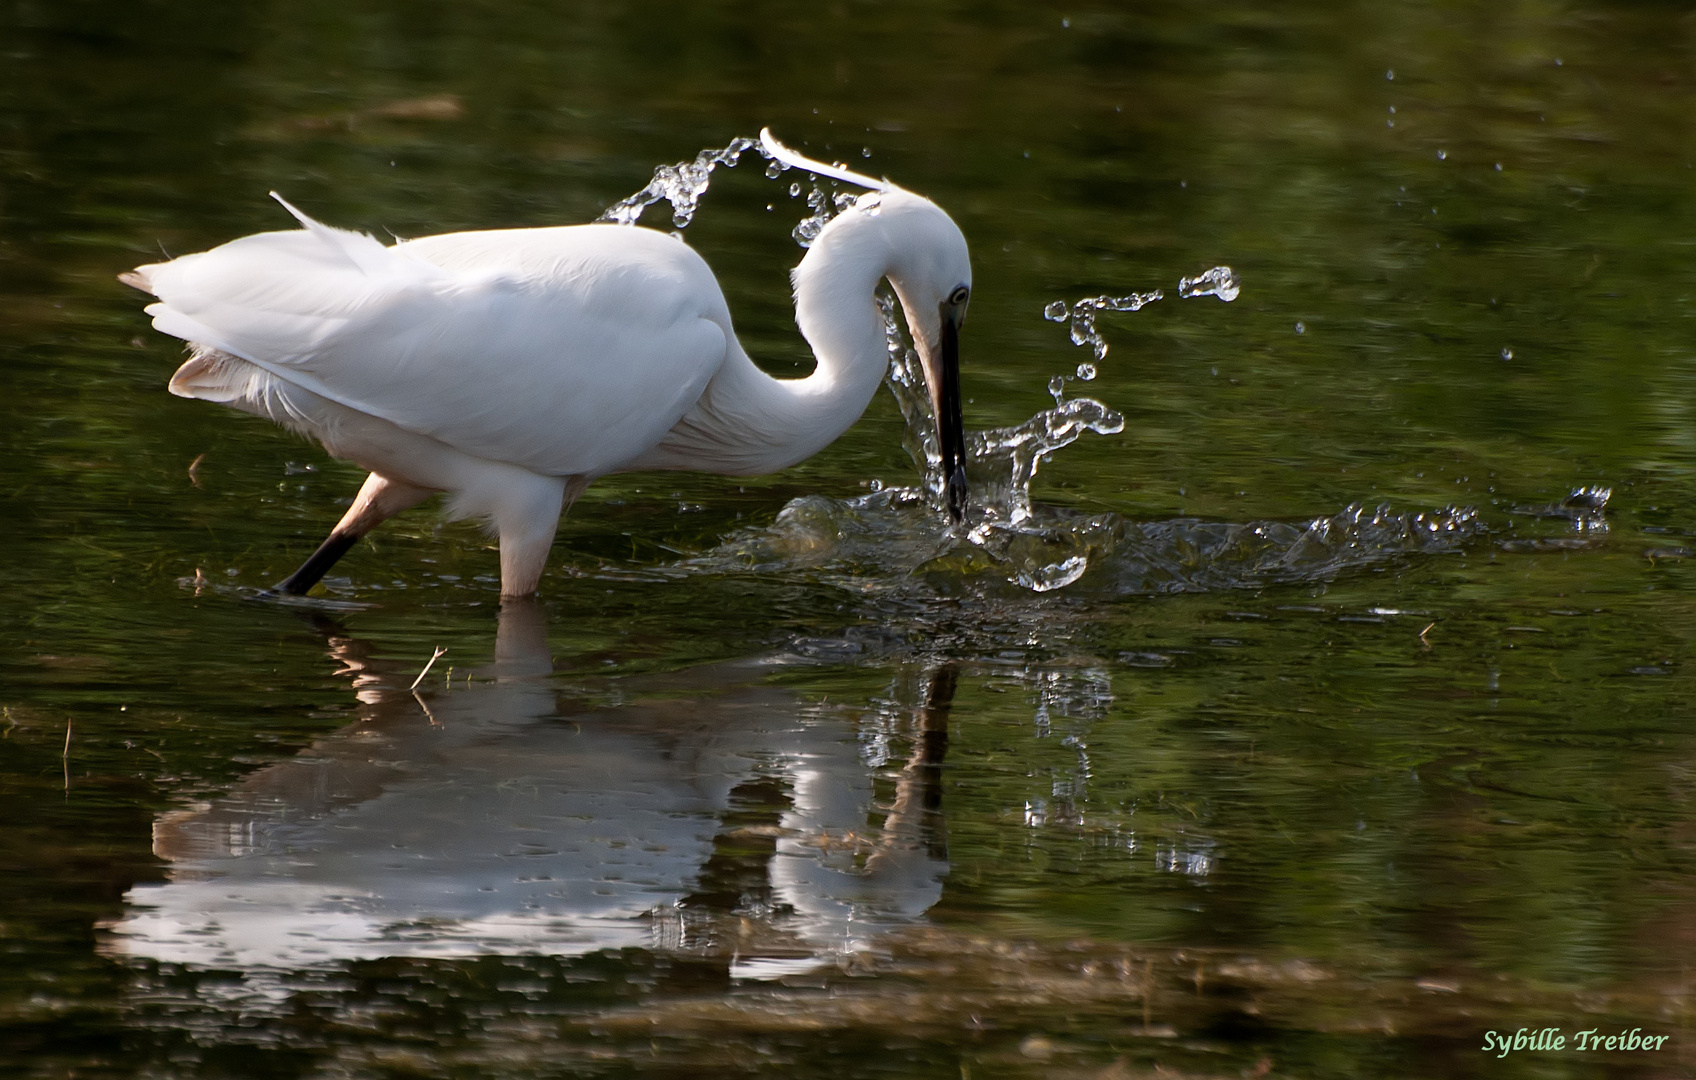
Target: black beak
point(951, 429)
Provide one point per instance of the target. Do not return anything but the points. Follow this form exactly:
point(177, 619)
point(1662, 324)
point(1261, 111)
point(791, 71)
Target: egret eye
point(958, 296)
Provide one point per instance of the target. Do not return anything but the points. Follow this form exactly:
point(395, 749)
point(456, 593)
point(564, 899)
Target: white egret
point(511, 368)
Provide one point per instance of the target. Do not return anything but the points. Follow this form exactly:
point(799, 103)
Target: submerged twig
point(427, 666)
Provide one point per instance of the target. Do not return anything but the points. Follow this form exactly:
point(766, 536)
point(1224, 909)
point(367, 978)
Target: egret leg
point(526, 520)
point(379, 499)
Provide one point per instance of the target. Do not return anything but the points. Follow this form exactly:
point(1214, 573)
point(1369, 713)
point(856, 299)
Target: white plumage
point(511, 368)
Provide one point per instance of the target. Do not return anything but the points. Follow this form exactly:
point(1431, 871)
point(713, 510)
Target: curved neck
point(836, 310)
point(747, 422)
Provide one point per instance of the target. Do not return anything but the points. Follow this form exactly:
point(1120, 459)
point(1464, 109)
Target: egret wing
point(565, 351)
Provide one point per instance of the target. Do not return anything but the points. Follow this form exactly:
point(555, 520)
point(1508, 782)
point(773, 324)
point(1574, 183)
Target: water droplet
point(1055, 576)
point(1020, 449)
point(1507, 353)
point(1083, 331)
point(1065, 24)
point(682, 185)
point(1442, 155)
point(1221, 281)
point(1055, 312)
point(1559, 61)
point(1392, 110)
point(775, 169)
point(876, 485)
point(1498, 166)
point(1301, 328)
point(1391, 74)
point(795, 189)
point(1086, 371)
point(865, 151)
point(1389, 123)
point(811, 226)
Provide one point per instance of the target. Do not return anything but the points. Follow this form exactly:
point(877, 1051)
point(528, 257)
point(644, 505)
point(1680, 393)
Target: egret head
point(923, 253)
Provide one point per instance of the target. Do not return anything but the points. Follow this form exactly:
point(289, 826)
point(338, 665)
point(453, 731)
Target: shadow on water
point(705, 812)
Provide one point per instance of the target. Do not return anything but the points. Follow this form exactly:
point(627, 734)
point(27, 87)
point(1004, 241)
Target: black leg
point(315, 567)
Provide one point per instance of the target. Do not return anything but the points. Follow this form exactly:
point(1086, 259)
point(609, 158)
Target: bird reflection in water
point(708, 812)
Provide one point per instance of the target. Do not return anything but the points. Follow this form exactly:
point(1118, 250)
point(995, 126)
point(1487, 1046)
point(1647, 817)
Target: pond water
point(1325, 706)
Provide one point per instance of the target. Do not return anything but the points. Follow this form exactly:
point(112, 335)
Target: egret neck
point(748, 422)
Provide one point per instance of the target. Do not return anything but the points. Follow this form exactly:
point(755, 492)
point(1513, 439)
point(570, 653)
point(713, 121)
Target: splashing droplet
point(1221, 281)
point(1442, 155)
point(1507, 353)
point(775, 169)
point(1301, 328)
point(1083, 313)
point(681, 184)
point(823, 210)
point(1086, 372)
point(1001, 462)
point(1391, 74)
point(795, 190)
point(1054, 575)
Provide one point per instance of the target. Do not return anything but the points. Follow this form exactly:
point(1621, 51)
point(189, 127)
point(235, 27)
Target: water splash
point(1000, 462)
point(1082, 316)
point(808, 228)
point(895, 538)
point(825, 205)
point(1189, 555)
point(1221, 281)
point(889, 543)
point(1004, 461)
point(1584, 509)
point(861, 541)
point(683, 184)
